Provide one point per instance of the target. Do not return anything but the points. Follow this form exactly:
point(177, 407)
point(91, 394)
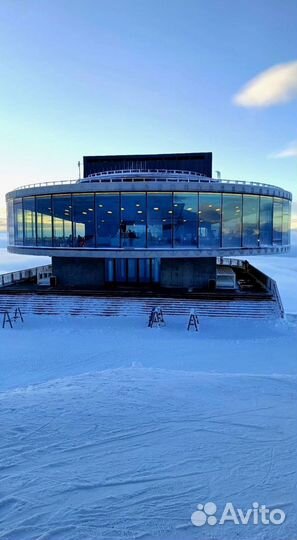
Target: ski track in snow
point(110, 430)
point(129, 453)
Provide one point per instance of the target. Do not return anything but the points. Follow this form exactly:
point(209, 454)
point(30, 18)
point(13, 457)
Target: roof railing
point(145, 172)
point(151, 175)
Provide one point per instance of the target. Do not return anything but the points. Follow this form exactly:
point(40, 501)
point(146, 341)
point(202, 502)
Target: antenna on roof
point(218, 173)
point(78, 164)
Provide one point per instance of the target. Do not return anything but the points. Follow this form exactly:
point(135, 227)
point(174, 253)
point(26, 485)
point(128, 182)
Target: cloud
point(289, 151)
point(277, 84)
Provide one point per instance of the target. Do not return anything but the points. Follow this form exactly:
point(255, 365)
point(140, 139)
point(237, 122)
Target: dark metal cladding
point(200, 162)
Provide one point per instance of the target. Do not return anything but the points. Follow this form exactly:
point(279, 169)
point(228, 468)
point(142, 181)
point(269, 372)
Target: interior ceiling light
point(109, 211)
point(156, 209)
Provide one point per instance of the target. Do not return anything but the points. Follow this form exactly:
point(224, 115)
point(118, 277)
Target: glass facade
point(232, 221)
point(266, 215)
point(62, 221)
point(83, 220)
point(107, 210)
point(10, 222)
point(135, 220)
point(185, 219)
point(159, 219)
point(44, 227)
point(29, 221)
point(210, 210)
point(18, 222)
point(277, 221)
point(250, 221)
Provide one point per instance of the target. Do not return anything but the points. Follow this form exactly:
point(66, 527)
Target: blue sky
point(86, 77)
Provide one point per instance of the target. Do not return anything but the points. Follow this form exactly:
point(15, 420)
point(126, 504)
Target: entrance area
point(132, 271)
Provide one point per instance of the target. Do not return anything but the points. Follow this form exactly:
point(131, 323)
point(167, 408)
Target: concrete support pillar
point(196, 273)
point(76, 272)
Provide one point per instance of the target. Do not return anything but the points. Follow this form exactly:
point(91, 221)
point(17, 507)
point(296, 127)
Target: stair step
point(136, 306)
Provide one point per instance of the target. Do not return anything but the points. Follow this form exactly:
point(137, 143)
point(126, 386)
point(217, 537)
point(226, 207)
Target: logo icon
point(204, 514)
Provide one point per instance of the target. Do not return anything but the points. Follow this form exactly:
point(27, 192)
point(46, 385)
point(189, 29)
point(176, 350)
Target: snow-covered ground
point(111, 430)
point(10, 262)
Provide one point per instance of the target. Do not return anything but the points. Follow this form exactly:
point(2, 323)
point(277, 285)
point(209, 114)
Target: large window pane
point(250, 231)
point(286, 222)
point(107, 219)
point(83, 220)
point(209, 220)
point(10, 222)
point(18, 221)
point(133, 220)
point(29, 221)
point(62, 224)
point(44, 220)
point(231, 222)
point(159, 210)
point(277, 220)
point(266, 207)
point(185, 219)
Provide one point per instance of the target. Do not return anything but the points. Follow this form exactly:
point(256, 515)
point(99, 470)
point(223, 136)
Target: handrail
point(230, 261)
point(278, 298)
point(145, 172)
point(270, 285)
point(152, 175)
point(47, 183)
point(9, 278)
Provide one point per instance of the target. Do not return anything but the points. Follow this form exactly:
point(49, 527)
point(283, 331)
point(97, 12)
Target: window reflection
point(62, 220)
point(133, 220)
point(266, 207)
point(10, 222)
point(18, 221)
point(140, 220)
point(209, 220)
point(83, 220)
point(250, 224)
point(286, 223)
point(29, 221)
point(277, 221)
point(44, 220)
point(185, 219)
point(159, 210)
point(231, 223)
point(107, 219)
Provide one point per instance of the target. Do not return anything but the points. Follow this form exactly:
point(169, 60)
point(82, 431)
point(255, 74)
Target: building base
point(199, 273)
point(79, 273)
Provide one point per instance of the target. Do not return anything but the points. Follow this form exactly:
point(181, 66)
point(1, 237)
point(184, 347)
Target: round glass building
point(140, 219)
